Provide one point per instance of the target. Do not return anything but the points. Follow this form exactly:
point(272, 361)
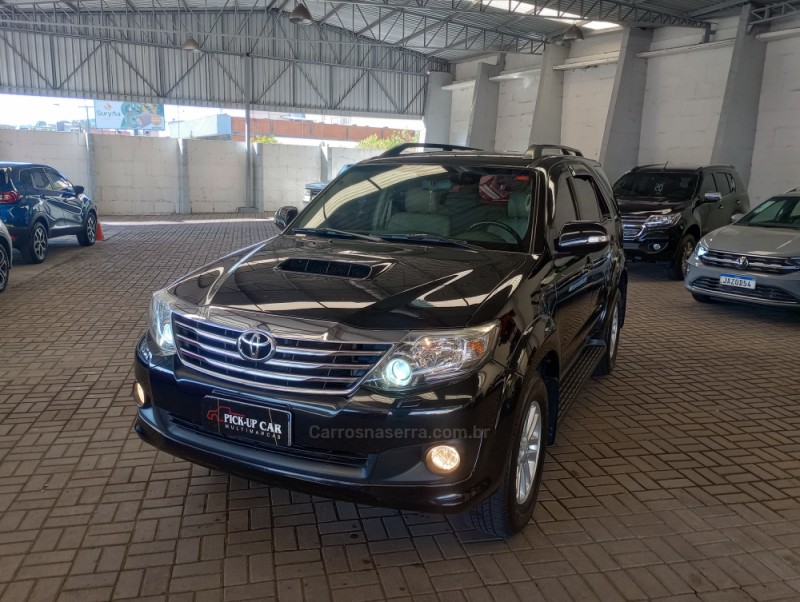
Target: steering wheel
point(505, 227)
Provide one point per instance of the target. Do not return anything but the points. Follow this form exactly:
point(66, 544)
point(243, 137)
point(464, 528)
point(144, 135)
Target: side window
point(731, 182)
point(707, 184)
point(591, 206)
point(723, 186)
point(564, 210)
point(57, 181)
point(34, 178)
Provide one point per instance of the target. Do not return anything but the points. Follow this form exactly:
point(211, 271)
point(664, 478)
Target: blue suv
point(38, 203)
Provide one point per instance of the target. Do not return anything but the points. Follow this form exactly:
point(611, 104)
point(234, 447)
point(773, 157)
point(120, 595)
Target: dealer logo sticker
point(228, 421)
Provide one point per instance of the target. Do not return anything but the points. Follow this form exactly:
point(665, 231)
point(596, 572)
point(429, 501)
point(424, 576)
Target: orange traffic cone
point(99, 232)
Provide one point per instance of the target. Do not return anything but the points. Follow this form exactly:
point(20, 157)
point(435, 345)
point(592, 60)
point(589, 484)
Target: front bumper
point(373, 447)
point(777, 290)
point(654, 245)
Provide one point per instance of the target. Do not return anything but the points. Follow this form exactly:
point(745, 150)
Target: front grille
point(301, 366)
point(755, 263)
point(632, 225)
point(766, 293)
point(295, 451)
point(339, 269)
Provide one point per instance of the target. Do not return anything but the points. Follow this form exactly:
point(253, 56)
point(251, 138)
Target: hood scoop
point(337, 269)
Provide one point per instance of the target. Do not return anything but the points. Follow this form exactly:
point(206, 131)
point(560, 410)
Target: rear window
point(657, 185)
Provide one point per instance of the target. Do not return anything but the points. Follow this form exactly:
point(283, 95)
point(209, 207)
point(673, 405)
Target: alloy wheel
point(529, 453)
point(91, 228)
point(4, 267)
point(613, 335)
point(40, 242)
point(688, 249)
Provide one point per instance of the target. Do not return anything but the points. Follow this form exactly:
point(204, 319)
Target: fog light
point(442, 459)
point(657, 247)
point(139, 395)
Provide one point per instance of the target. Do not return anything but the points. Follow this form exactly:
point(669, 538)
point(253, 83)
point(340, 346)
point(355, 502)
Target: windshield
point(486, 207)
point(657, 184)
point(778, 212)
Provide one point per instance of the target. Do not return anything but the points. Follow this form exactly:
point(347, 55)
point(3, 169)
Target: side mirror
point(284, 216)
point(712, 197)
point(582, 238)
point(78, 189)
point(736, 217)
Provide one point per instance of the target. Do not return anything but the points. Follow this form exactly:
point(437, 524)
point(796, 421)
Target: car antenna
point(665, 164)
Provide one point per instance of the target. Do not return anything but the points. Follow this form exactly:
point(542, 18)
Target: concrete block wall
point(64, 151)
point(216, 175)
point(286, 171)
point(339, 157)
point(136, 175)
point(516, 103)
point(587, 93)
point(776, 156)
point(459, 114)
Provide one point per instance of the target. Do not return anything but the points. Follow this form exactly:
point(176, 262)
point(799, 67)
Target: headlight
point(660, 221)
point(160, 321)
point(307, 196)
point(701, 250)
point(422, 359)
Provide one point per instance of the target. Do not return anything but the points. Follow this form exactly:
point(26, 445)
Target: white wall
point(587, 93)
point(776, 157)
point(64, 151)
point(516, 102)
point(216, 175)
point(287, 169)
point(136, 175)
point(339, 157)
point(459, 114)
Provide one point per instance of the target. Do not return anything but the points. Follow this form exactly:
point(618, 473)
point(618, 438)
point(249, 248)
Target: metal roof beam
point(773, 12)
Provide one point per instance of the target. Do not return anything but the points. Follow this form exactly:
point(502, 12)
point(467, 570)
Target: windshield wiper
point(333, 233)
point(431, 239)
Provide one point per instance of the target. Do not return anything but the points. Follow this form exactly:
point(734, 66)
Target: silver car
point(756, 259)
point(5, 256)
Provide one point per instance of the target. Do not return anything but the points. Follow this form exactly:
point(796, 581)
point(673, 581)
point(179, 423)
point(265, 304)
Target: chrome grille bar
point(755, 263)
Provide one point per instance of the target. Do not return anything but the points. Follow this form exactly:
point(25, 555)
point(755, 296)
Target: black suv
point(667, 209)
point(411, 339)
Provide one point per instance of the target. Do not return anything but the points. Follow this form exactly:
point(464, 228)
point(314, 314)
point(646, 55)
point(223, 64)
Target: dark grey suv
point(667, 208)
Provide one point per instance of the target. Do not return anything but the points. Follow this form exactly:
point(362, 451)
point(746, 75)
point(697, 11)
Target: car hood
point(406, 286)
point(650, 205)
point(754, 240)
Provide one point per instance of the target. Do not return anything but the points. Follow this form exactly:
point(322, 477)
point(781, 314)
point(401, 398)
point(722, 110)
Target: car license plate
point(737, 281)
point(239, 420)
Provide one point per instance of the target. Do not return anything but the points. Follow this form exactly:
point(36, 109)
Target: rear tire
point(611, 337)
point(88, 236)
point(35, 250)
point(677, 269)
point(5, 267)
point(510, 507)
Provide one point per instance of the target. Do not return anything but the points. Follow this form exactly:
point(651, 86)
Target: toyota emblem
point(255, 345)
point(742, 263)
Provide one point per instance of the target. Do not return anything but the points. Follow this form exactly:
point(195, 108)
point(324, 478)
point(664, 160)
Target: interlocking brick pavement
point(678, 478)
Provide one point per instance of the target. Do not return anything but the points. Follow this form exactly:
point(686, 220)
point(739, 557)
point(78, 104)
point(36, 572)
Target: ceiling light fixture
point(300, 15)
point(191, 45)
point(573, 33)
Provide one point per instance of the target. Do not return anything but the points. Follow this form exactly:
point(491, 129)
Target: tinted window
point(723, 185)
point(775, 213)
point(564, 210)
point(34, 178)
point(586, 197)
point(707, 185)
point(57, 181)
point(731, 182)
point(656, 184)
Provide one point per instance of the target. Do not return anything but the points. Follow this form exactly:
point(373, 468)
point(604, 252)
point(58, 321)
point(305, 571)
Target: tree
point(268, 139)
point(395, 139)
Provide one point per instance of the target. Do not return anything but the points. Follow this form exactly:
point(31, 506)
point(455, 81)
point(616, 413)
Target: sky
point(16, 110)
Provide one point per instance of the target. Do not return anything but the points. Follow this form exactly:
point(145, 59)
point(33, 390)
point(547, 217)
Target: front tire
point(510, 508)
point(679, 265)
point(5, 267)
point(35, 250)
point(611, 337)
point(88, 236)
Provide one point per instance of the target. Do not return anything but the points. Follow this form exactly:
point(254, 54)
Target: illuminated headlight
point(160, 321)
point(425, 358)
point(701, 250)
point(661, 221)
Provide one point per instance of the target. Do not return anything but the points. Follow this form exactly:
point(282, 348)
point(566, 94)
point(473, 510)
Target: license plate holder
point(239, 420)
point(738, 281)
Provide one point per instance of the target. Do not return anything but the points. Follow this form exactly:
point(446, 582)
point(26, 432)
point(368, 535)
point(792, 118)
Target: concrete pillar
point(437, 108)
point(546, 126)
point(620, 149)
point(483, 116)
point(325, 163)
point(258, 177)
point(91, 169)
point(184, 200)
point(736, 131)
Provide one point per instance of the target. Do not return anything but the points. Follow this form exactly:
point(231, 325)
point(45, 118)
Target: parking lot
point(675, 478)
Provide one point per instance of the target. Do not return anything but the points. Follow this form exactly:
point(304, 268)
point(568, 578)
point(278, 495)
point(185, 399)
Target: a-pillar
point(437, 108)
point(736, 131)
point(483, 115)
point(620, 149)
point(546, 126)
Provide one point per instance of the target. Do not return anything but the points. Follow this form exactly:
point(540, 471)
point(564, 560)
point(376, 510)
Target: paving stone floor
point(677, 478)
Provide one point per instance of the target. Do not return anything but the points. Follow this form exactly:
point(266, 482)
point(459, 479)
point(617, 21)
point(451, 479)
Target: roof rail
point(537, 150)
point(400, 148)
